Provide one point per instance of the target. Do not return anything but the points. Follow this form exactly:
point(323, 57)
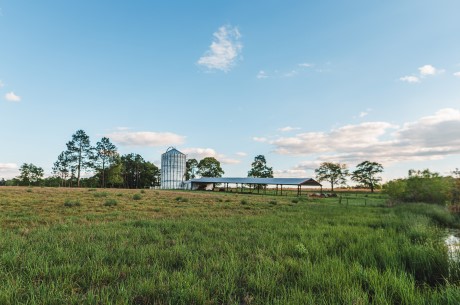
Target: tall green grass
point(209, 251)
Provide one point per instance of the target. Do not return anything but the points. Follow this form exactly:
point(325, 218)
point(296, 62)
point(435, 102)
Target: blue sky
point(300, 82)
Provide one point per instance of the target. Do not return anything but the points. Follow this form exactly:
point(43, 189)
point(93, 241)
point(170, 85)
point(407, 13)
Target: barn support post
point(281, 190)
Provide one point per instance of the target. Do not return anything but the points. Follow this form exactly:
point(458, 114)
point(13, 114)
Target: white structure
point(172, 169)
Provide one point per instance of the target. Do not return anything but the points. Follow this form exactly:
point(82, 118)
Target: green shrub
point(295, 200)
point(137, 197)
point(110, 202)
point(142, 191)
point(273, 202)
point(71, 203)
point(243, 201)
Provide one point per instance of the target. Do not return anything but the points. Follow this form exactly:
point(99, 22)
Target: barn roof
point(251, 180)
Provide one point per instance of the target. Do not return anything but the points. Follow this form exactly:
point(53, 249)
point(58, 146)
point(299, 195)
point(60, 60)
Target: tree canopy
point(80, 153)
point(334, 173)
point(210, 167)
point(259, 168)
point(366, 173)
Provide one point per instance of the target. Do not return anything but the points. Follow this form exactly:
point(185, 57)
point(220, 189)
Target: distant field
point(93, 246)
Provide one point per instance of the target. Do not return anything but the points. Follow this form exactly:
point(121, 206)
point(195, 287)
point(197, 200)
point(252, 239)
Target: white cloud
point(305, 65)
point(241, 154)
point(8, 170)
point(457, 74)
point(362, 114)
point(224, 50)
point(427, 70)
point(200, 153)
point(410, 79)
point(10, 96)
point(260, 139)
point(429, 138)
point(288, 128)
point(262, 74)
point(1, 84)
point(424, 71)
point(146, 138)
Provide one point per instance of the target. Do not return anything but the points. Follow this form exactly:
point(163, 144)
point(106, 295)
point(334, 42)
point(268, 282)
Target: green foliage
point(334, 173)
point(210, 167)
point(72, 203)
point(420, 186)
point(191, 167)
point(79, 154)
point(138, 173)
point(366, 174)
point(106, 154)
point(30, 174)
point(137, 197)
point(243, 202)
point(110, 202)
point(259, 168)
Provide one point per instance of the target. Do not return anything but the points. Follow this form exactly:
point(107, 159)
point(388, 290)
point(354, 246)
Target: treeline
point(102, 163)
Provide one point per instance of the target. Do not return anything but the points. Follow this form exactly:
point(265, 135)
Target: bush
point(110, 202)
point(420, 186)
point(295, 200)
point(243, 202)
point(273, 202)
point(137, 197)
point(72, 203)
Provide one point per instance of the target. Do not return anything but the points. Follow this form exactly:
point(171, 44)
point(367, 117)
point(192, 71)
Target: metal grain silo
point(172, 169)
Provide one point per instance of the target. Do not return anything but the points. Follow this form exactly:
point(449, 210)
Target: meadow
point(112, 246)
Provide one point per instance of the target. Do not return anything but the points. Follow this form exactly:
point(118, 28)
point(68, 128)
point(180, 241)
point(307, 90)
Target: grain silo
point(172, 169)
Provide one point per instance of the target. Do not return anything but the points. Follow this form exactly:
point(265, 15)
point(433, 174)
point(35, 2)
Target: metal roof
point(172, 151)
point(252, 180)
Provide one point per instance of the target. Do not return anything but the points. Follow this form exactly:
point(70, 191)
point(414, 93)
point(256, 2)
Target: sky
point(300, 82)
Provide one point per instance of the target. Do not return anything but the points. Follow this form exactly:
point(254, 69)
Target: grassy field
point(88, 246)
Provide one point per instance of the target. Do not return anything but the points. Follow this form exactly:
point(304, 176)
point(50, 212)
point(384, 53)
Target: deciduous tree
point(259, 168)
point(334, 173)
point(29, 174)
point(210, 167)
point(366, 173)
point(191, 167)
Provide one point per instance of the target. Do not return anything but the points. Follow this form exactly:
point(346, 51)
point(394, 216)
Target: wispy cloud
point(12, 97)
point(410, 79)
point(260, 139)
point(431, 137)
point(2, 84)
point(297, 70)
point(305, 65)
point(262, 74)
point(241, 154)
point(146, 138)
point(224, 50)
point(200, 153)
point(457, 74)
point(288, 128)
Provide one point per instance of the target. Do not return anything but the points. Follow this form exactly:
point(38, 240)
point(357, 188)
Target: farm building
point(207, 183)
point(172, 169)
